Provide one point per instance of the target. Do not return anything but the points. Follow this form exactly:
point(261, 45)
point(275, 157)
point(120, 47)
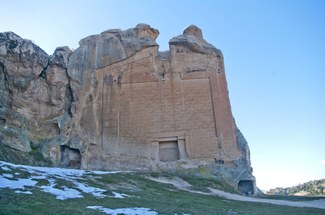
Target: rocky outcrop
point(116, 102)
point(34, 94)
point(192, 40)
point(311, 188)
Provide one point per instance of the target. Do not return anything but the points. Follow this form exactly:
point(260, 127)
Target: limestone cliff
point(116, 102)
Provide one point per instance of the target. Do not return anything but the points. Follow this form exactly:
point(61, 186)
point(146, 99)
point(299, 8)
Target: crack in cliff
point(102, 117)
point(70, 98)
point(6, 85)
point(42, 75)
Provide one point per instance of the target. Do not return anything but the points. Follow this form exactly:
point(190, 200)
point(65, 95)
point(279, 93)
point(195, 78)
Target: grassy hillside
point(29, 158)
point(30, 190)
point(311, 188)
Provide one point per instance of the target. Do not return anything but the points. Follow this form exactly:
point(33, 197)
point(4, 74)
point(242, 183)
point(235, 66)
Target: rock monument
point(116, 102)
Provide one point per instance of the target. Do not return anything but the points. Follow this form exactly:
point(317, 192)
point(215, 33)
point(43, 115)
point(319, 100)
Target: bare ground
point(183, 185)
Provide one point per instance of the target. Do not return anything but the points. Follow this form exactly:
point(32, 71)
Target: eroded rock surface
point(116, 102)
point(35, 99)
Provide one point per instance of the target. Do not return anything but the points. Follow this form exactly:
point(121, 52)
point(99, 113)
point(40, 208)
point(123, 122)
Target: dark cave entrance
point(246, 187)
point(70, 158)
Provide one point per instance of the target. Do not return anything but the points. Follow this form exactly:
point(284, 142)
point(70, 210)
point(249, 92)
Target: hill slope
point(311, 188)
point(42, 190)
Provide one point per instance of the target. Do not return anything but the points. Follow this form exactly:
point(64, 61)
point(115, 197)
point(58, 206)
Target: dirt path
point(183, 185)
point(310, 204)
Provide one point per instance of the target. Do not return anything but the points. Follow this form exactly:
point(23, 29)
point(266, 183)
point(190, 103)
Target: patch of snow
point(73, 176)
point(66, 193)
point(47, 170)
point(126, 211)
point(5, 168)
point(97, 172)
point(7, 175)
point(16, 184)
point(38, 177)
point(120, 195)
point(97, 192)
point(56, 171)
point(24, 192)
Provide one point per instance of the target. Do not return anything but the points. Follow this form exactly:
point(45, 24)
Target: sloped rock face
point(116, 102)
point(34, 94)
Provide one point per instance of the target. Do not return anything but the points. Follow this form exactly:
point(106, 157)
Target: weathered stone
point(21, 57)
point(57, 80)
point(192, 41)
point(118, 103)
point(193, 30)
point(61, 56)
point(34, 92)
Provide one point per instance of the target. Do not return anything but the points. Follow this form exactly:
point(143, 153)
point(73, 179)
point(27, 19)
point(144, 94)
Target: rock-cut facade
point(116, 102)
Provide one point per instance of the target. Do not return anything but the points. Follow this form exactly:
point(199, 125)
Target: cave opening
point(246, 187)
point(70, 158)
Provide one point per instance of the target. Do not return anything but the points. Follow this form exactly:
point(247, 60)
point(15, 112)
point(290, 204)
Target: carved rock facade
point(116, 102)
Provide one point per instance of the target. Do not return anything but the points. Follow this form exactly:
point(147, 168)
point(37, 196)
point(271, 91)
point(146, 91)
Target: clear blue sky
point(274, 55)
